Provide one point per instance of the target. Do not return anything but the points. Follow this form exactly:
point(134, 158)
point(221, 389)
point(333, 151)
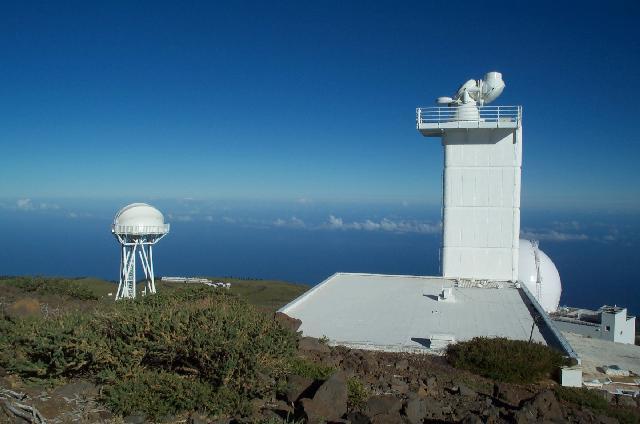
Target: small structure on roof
point(607, 323)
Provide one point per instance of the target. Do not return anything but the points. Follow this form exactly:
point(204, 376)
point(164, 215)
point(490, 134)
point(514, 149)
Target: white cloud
point(385, 224)
point(552, 235)
point(292, 222)
point(25, 204)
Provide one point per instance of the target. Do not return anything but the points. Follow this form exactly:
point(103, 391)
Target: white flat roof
point(596, 353)
point(403, 313)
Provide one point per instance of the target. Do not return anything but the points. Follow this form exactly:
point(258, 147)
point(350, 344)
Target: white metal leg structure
point(127, 284)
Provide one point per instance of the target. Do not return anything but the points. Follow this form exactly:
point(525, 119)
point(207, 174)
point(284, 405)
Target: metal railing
point(140, 229)
point(489, 114)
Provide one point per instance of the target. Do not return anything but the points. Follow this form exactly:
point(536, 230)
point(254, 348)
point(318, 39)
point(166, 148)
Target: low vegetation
point(192, 349)
point(357, 394)
point(595, 401)
point(76, 288)
point(512, 361)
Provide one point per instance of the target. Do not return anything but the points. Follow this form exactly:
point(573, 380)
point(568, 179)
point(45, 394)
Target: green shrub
point(513, 361)
point(211, 334)
point(158, 394)
point(305, 368)
point(357, 394)
point(50, 348)
point(185, 346)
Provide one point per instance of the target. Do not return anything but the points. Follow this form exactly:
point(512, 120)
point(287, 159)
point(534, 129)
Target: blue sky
point(300, 101)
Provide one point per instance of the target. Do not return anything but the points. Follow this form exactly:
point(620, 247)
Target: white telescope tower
point(137, 227)
point(481, 180)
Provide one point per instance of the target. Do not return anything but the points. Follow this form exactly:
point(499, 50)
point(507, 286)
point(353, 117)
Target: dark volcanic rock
point(386, 419)
point(311, 344)
point(466, 391)
point(288, 322)
point(415, 410)
point(296, 387)
point(358, 418)
point(330, 401)
point(433, 409)
point(511, 395)
point(380, 405)
point(471, 419)
point(544, 407)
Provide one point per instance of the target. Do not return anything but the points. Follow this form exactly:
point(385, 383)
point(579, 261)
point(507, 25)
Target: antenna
point(482, 91)
point(536, 256)
point(137, 227)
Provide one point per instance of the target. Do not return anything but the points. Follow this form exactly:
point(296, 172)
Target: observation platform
point(433, 121)
point(404, 313)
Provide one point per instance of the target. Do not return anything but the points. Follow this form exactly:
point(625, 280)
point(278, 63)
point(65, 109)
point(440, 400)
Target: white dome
point(139, 218)
point(551, 286)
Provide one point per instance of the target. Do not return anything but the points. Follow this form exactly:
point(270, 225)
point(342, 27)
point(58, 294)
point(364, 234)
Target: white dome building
point(550, 288)
point(139, 218)
point(137, 227)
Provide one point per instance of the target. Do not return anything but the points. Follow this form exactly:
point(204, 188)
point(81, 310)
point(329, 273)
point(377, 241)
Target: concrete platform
point(404, 313)
point(596, 353)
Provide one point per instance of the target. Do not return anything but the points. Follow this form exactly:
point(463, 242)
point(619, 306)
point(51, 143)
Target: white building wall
point(481, 196)
point(629, 333)
point(616, 327)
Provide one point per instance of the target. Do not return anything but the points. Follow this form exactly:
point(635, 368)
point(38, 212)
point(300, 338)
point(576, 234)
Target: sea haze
point(305, 242)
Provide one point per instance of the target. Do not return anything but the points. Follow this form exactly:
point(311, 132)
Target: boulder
point(431, 382)
point(471, 419)
point(311, 344)
point(380, 405)
point(398, 385)
point(433, 409)
point(543, 407)
point(288, 322)
point(330, 401)
point(386, 419)
point(510, 394)
point(415, 410)
point(296, 387)
point(358, 418)
point(466, 391)
point(625, 401)
point(402, 364)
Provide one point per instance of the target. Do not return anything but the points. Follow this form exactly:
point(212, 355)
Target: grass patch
point(512, 361)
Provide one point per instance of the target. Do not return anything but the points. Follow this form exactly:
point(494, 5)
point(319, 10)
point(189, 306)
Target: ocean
point(595, 253)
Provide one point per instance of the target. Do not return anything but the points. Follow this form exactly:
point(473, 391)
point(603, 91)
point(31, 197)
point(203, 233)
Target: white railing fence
point(436, 115)
point(140, 229)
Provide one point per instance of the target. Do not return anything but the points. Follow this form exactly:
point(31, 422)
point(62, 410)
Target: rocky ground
point(410, 388)
point(390, 388)
point(364, 387)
